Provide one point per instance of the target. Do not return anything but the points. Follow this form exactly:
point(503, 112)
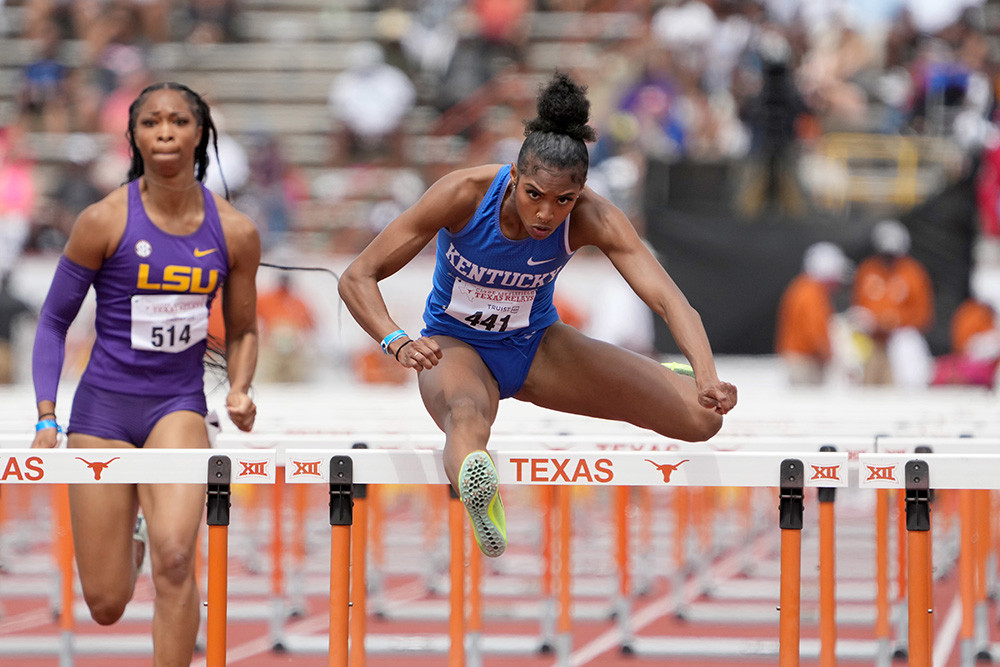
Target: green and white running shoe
point(479, 490)
point(679, 368)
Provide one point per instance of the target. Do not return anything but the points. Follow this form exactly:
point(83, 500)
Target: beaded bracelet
point(391, 338)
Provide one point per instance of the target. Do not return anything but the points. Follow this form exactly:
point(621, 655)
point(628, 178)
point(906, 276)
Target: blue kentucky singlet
point(153, 299)
point(487, 286)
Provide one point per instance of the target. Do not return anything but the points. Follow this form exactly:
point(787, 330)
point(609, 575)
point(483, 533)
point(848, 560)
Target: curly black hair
point(558, 136)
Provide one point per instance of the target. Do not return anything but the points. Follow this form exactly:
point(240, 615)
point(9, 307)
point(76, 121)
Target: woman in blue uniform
point(504, 232)
point(155, 250)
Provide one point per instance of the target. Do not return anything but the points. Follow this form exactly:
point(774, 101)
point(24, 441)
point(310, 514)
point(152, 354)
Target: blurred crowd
point(755, 83)
point(878, 338)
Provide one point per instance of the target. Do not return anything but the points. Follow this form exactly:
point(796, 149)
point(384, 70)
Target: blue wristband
point(390, 339)
point(47, 423)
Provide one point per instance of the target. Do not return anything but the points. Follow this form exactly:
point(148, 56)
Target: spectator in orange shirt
point(893, 304)
point(286, 323)
point(802, 338)
point(975, 335)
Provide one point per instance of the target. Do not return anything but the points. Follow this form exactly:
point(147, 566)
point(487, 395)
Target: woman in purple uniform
point(504, 232)
point(155, 251)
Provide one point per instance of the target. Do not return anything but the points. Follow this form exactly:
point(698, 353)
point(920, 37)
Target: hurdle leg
point(827, 579)
point(456, 623)
point(918, 561)
point(475, 621)
point(548, 620)
point(967, 573)
point(682, 507)
point(64, 557)
point(790, 506)
point(341, 519)
point(564, 626)
point(296, 584)
point(883, 627)
point(622, 556)
point(218, 502)
point(276, 623)
point(982, 541)
point(359, 593)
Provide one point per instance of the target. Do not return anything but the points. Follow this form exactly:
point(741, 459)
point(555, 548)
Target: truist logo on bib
point(497, 277)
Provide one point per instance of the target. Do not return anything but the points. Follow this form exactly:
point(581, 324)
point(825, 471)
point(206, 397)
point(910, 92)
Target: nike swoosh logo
point(202, 253)
point(533, 262)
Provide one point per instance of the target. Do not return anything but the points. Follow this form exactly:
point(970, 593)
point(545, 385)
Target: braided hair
point(203, 117)
point(557, 138)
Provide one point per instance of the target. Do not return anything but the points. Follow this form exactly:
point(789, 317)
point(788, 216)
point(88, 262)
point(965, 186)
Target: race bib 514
point(168, 322)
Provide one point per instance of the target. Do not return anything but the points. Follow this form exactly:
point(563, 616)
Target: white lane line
point(25, 620)
point(944, 641)
point(724, 569)
point(399, 596)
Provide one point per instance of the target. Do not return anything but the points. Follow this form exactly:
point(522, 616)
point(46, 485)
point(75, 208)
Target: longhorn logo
point(98, 466)
point(667, 469)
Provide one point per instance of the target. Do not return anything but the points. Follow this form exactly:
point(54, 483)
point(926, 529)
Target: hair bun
point(563, 108)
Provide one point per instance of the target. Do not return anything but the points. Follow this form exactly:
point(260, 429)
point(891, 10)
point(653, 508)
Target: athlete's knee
point(465, 412)
point(105, 609)
point(175, 567)
point(711, 424)
point(700, 425)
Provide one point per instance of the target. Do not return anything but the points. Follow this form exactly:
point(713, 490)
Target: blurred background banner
point(701, 239)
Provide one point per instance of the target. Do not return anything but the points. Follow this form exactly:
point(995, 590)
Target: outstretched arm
point(450, 201)
point(607, 227)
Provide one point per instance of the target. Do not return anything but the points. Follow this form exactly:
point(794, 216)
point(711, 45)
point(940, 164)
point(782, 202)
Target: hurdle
point(565, 469)
point(555, 468)
point(640, 441)
point(975, 537)
point(61, 467)
point(964, 472)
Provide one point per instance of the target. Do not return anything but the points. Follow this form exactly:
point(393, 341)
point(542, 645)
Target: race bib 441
point(489, 308)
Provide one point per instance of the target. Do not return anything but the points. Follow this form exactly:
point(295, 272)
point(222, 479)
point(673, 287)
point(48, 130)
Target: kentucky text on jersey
point(487, 276)
point(177, 278)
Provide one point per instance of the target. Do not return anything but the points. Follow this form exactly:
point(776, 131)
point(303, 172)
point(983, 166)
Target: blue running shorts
point(509, 359)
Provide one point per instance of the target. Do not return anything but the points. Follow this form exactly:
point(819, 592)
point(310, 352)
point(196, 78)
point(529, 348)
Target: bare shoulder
point(105, 215)
point(475, 179)
point(453, 198)
point(241, 233)
point(466, 186)
point(98, 229)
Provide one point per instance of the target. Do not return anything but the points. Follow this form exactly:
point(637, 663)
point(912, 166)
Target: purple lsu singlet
point(153, 299)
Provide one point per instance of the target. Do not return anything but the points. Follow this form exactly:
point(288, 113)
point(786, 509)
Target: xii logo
point(307, 468)
point(253, 469)
point(826, 472)
point(885, 473)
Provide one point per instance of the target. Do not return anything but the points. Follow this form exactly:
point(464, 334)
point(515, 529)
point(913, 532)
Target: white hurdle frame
point(215, 468)
point(569, 468)
point(911, 471)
